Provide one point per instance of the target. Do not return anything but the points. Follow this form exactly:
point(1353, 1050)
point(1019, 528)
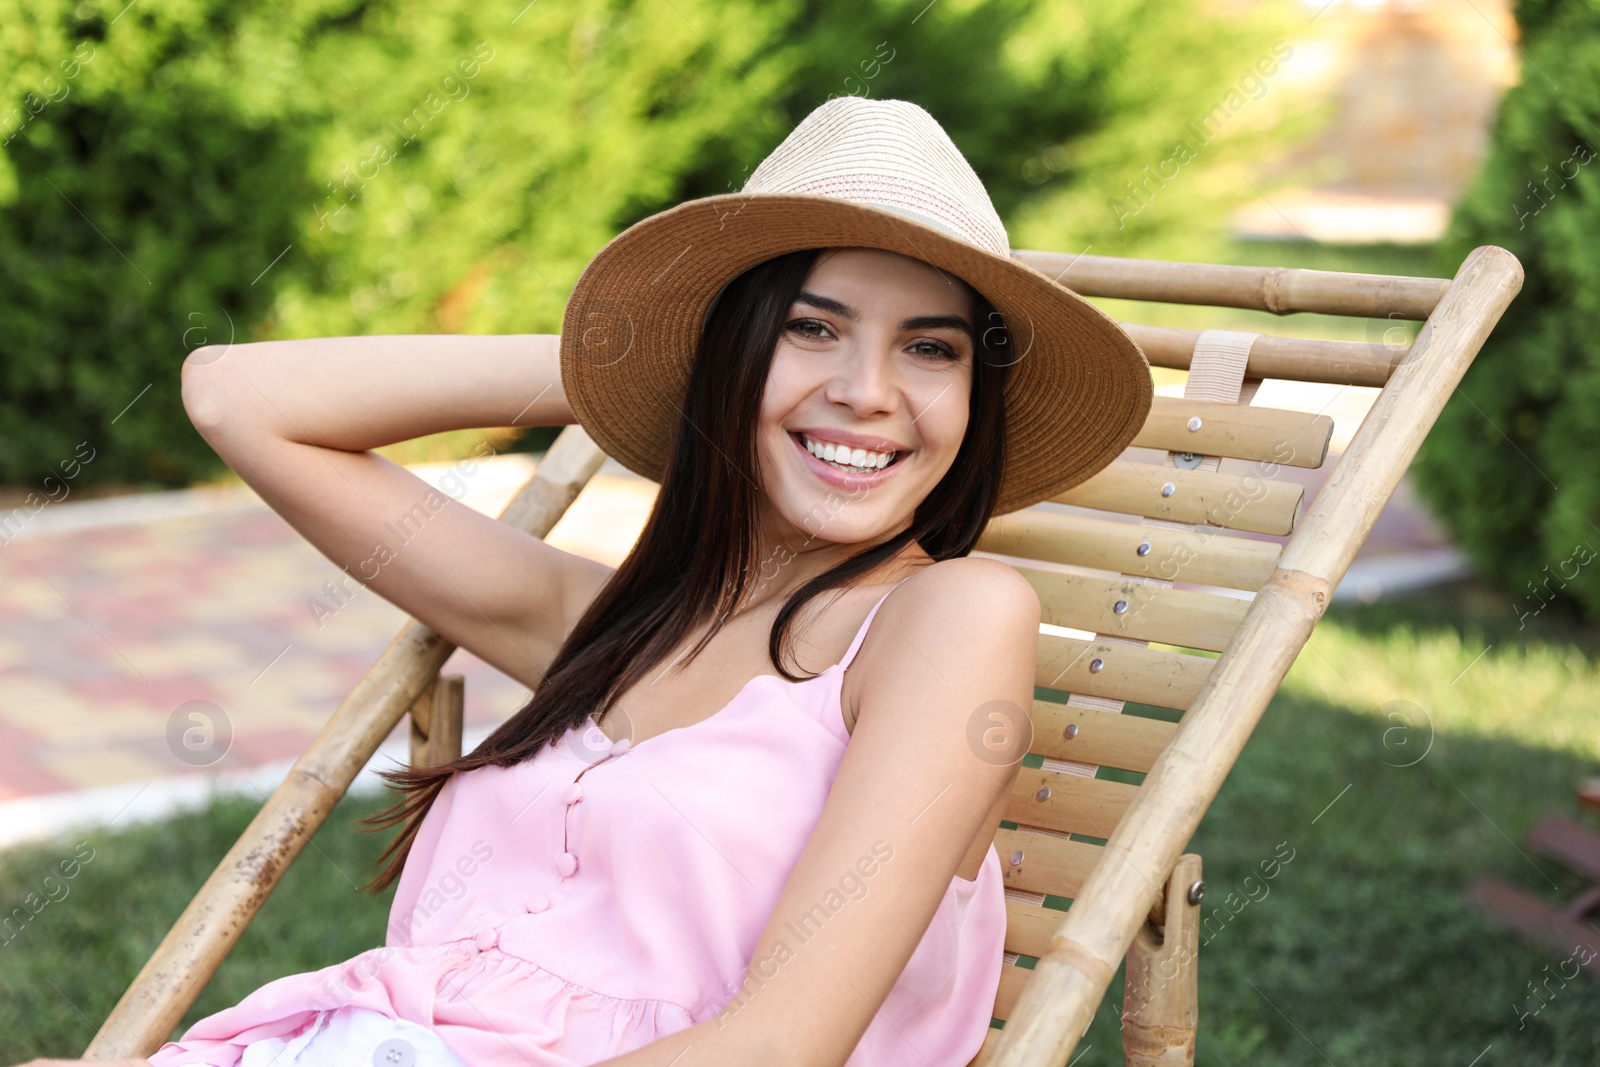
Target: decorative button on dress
point(598, 897)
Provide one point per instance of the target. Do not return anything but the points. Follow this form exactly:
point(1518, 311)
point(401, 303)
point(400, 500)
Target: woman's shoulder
point(957, 616)
point(964, 580)
point(960, 610)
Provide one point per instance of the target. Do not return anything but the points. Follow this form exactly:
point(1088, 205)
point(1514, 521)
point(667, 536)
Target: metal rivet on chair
point(1168, 489)
point(1071, 731)
point(1197, 891)
point(1194, 424)
point(1043, 794)
point(1120, 607)
point(1016, 858)
point(1187, 461)
point(1144, 548)
point(1096, 665)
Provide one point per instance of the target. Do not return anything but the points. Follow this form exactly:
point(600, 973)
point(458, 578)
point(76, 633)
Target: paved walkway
point(118, 615)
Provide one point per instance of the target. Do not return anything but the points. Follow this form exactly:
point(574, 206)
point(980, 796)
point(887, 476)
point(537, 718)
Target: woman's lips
point(844, 479)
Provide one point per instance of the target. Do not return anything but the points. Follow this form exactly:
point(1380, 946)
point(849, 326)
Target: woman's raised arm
point(356, 393)
point(297, 420)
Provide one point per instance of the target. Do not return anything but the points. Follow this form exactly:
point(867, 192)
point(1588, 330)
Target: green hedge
point(185, 173)
point(1513, 466)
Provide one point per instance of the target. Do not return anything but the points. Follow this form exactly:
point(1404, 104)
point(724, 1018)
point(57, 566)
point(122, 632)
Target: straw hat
point(855, 173)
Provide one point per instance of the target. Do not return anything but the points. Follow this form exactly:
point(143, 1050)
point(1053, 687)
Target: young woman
point(690, 847)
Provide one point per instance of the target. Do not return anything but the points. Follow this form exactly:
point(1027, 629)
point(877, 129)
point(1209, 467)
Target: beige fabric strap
point(1216, 373)
point(1217, 370)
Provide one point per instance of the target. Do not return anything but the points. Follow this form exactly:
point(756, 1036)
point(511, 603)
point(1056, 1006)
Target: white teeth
point(858, 460)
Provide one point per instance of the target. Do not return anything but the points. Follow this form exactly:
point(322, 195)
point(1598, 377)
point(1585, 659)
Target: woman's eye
point(936, 350)
point(804, 327)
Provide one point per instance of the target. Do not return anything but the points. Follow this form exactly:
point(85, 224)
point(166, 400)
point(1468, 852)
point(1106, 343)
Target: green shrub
point(1513, 466)
point(138, 204)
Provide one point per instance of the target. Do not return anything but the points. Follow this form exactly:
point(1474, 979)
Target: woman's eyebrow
point(916, 322)
point(936, 322)
point(827, 303)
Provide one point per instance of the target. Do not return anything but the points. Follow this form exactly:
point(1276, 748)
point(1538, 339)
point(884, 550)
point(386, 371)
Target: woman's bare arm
point(356, 393)
point(297, 419)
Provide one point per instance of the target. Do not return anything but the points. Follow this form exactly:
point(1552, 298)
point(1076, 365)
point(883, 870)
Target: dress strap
point(861, 634)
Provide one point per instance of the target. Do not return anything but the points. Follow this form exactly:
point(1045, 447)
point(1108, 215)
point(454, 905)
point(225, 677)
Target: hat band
point(926, 220)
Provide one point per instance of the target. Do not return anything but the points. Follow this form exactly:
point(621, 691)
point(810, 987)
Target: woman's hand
point(97, 1063)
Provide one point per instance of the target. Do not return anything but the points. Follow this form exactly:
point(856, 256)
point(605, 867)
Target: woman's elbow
point(205, 387)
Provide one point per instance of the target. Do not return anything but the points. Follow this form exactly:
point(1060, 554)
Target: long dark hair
point(652, 602)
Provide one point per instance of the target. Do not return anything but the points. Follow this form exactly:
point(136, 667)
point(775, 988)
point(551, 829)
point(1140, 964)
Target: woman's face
point(876, 354)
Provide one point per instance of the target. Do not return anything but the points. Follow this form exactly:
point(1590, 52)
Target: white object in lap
point(353, 1037)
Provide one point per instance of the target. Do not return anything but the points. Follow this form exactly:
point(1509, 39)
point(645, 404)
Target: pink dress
point(550, 921)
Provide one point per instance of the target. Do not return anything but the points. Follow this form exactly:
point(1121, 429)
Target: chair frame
point(1138, 905)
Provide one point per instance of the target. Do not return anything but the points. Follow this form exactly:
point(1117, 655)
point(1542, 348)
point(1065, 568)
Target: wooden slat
point(1103, 738)
point(1047, 864)
point(1295, 359)
point(1279, 290)
point(1131, 548)
point(1149, 612)
point(1126, 672)
point(1535, 919)
point(1029, 927)
point(1012, 979)
point(1588, 793)
point(1571, 844)
point(1235, 501)
point(436, 720)
point(1071, 803)
point(1239, 431)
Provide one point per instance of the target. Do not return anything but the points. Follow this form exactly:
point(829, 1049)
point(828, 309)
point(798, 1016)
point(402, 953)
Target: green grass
point(1363, 952)
point(63, 972)
point(1364, 949)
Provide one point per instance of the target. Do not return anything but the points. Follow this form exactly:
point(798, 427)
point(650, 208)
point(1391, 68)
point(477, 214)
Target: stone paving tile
point(47, 707)
point(86, 769)
point(20, 771)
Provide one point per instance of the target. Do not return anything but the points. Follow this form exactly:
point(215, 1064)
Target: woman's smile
point(843, 472)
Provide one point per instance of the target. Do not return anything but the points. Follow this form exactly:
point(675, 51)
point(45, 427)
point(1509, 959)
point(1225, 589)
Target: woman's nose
point(867, 379)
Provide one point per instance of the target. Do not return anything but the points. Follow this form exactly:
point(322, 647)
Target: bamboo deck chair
point(1105, 566)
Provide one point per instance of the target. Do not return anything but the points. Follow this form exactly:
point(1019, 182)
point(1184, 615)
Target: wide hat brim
point(1078, 393)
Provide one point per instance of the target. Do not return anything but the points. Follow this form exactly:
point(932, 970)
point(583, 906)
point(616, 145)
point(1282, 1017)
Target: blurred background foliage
point(189, 173)
point(1512, 467)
